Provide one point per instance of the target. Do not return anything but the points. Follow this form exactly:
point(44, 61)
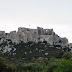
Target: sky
point(56, 14)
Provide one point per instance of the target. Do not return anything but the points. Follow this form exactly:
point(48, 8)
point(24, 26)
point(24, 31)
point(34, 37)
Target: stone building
point(35, 35)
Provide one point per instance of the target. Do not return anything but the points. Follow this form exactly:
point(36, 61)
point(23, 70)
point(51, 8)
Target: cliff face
point(35, 35)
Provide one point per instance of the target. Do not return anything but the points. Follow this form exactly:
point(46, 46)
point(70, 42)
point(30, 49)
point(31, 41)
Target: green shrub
point(33, 67)
point(67, 55)
point(64, 66)
point(5, 67)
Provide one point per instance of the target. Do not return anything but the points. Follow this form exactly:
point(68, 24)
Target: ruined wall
point(48, 38)
point(64, 41)
point(48, 31)
point(2, 36)
point(26, 34)
point(60, 41)
point(22, 33)
point(13, 36)
point(35, 35)
point(42, 31)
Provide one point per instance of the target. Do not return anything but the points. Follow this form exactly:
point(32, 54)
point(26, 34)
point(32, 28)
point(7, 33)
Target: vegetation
point(6, 67)
point(32, 50)
point(35, 57)
point(52, 65)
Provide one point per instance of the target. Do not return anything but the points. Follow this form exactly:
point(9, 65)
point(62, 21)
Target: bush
point(52, 64)
point(67, 55)
point(33, 67)
point(64, 66)
point(4, 67)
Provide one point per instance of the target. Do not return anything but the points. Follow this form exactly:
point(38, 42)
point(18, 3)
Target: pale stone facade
point(35, 35)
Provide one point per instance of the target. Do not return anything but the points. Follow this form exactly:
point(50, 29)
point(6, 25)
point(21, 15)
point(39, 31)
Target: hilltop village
point(34, 35)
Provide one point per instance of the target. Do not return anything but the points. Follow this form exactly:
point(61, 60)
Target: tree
point(67, 55)
point(52, 64)
point(5, 67)
point(64, 66)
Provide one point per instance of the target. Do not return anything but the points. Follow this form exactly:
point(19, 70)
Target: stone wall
point(35, 35)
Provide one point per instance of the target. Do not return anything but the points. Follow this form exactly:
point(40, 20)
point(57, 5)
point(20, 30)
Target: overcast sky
point(56, 14)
